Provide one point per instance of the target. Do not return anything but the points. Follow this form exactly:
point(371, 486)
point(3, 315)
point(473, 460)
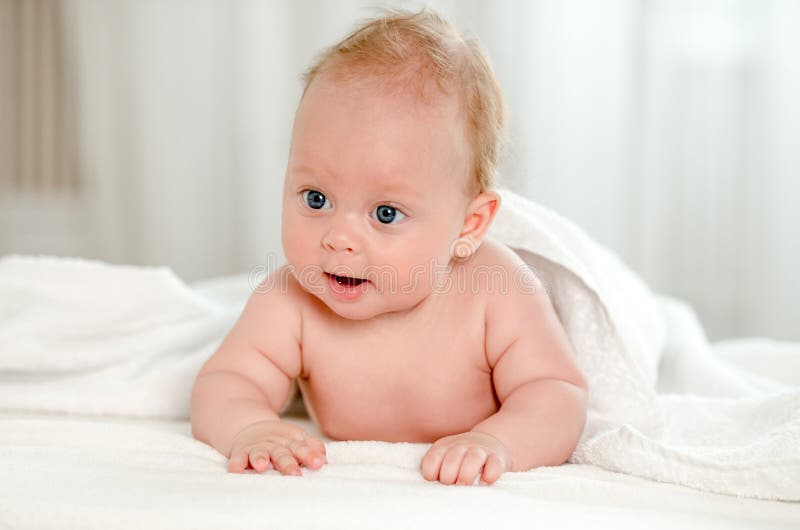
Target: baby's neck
point(407, 314)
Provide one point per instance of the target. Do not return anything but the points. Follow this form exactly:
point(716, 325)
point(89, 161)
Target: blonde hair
point(413, 48)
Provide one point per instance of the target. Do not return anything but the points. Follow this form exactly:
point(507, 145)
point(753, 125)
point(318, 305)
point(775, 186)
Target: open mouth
point(346, 280)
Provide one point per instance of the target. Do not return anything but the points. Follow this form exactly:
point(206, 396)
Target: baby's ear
point(480, 213)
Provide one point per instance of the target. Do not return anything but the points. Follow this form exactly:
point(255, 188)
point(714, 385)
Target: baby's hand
point(459, 458)
point(278, 444)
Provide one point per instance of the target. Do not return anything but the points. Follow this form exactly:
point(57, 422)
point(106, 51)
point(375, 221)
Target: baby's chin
point(370, 306)
point(352, 313)
point(366, 307)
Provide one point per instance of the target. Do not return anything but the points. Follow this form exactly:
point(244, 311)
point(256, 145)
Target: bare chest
point(412, 383)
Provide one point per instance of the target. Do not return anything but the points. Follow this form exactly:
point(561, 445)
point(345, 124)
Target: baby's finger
point(432, 461)
point(318, 446)
point(471, 466)
point(284, 461)
point(451, 464)
point(259, 459)
point(493, 469)
point(305, 454)
point(238, 462)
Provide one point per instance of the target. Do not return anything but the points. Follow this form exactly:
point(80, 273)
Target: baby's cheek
point(295, 242)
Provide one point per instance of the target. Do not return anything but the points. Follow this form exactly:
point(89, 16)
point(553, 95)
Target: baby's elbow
point(564, 452)
point(554, 459)
point(580, 422)
point(577, 411)
point(578, 379)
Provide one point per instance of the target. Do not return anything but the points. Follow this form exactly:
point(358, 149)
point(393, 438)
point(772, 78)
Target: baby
point(389, 312)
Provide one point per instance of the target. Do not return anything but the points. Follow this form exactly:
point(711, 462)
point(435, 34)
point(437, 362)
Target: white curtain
point(40, 191)
point(36, 133)
point(667, 129)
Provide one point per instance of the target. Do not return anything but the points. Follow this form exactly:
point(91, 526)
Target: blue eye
point(315, 199)
point(388, 214)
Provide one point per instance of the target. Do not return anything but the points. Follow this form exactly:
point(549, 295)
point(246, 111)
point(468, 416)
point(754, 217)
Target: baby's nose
point(339, 240)
point(335, 247)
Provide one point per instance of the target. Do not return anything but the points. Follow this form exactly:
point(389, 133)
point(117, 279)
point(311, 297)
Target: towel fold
point(87, 337)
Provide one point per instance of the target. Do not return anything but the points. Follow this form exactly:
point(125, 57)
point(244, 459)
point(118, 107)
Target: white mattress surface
point(83, 472)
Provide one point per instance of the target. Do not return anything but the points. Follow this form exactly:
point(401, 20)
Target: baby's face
point(375, 189)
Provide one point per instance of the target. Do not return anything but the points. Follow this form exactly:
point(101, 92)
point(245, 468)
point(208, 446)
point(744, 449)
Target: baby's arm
point(248, 379)
point(543, 396)
point(542, 391)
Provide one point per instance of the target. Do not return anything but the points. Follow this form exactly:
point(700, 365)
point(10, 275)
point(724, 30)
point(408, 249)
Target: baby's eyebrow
point(307, 171)
point(395, 185)
point(398, 191)
point(379, 183)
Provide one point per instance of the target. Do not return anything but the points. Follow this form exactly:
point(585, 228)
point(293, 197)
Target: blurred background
point(157, 132)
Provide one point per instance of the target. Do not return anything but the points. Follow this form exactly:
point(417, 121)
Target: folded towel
point(92, 338)
point(87, 337)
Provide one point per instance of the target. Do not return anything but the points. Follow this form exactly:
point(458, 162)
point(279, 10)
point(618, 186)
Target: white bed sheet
point(105, 472)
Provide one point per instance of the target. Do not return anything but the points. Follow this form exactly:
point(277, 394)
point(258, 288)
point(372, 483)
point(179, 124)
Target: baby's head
point(392, 164)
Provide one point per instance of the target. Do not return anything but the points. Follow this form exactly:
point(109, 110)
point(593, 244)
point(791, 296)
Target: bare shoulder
point(517, 301)
point(525, 341)
point(263, 346)
point(500, 273)
point(493, 252)
point(279, 287)
point(271, 320)
point(277, 294)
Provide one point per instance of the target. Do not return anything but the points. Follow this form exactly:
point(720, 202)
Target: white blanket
point(83, 337)
point(102, 473)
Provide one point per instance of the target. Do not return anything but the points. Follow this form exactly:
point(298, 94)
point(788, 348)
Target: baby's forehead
point(409, 83)
point(397, 106)
point(405, 182)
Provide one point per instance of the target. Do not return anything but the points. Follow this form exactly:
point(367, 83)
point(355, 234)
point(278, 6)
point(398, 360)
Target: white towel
point(92, 338)
point(86, 337)
point(713, 427)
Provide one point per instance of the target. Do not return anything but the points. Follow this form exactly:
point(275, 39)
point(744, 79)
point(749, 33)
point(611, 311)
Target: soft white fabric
point(86, 337)
point(713, 427)
point(91, 338)
point(101, 473)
